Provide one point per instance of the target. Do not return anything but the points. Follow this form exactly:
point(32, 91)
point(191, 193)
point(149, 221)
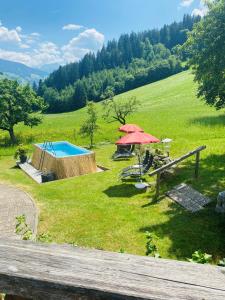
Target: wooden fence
point(162, 169)
point(53, 272)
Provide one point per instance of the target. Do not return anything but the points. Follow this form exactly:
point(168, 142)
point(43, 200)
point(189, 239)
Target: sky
point(42, 32)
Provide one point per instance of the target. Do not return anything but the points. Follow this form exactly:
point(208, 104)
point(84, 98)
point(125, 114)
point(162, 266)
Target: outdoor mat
point(187, 197)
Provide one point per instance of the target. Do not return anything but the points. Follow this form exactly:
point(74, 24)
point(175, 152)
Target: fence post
point(197, 160)
point(158, 177)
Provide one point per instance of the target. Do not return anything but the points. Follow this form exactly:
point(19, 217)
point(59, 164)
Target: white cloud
point(186, 3)
point(18, 29)
point(35, 34)
point(15, 56)
point(72, 27)
point(7, 35)
point(46, 53)
point(24, 46)
point(89, 40)
point(201, 11)
point(30, 50)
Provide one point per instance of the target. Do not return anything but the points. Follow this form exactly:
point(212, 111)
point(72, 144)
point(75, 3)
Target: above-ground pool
point(63, 149)
point(63, 159)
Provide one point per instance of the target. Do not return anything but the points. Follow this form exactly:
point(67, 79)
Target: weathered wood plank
point(61, 272)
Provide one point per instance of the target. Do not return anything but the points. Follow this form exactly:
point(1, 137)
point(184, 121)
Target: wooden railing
point(168, 166)
point(46, 272)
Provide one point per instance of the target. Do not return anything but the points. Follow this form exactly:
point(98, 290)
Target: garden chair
point(123, 151)
point(143, 163)
point(138, 172)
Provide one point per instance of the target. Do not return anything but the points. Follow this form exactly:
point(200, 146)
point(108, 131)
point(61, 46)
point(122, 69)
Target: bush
point(200, 257)
point(151, 248)
point(21, 151)
point(222, 262)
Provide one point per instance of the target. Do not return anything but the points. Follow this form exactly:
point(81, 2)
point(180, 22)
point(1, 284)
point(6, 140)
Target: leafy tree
point(18, 104)
point(90, 126)
point(206, 46)
point(119, 110)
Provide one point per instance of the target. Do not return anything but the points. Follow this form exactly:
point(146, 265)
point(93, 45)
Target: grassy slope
point(98, 211)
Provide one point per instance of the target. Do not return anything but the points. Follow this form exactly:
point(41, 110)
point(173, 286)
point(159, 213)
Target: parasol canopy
point(137, 138)
point(129, 128)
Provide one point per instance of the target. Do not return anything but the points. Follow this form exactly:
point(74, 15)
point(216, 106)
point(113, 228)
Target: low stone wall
point(64, 167)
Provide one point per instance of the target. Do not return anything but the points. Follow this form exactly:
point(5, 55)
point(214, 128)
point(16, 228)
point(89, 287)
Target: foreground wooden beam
point(40, 271)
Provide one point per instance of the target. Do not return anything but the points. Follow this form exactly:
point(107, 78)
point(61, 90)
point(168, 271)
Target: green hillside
point(168, 108)
point(99, 211)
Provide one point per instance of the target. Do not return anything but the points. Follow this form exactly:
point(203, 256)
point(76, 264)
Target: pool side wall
point(64, 167)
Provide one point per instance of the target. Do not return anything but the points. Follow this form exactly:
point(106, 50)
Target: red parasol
point(128, 128)
point(137, 138)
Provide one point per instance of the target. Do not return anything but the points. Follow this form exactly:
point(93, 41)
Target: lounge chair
point(143, 163)
point(138, 172)
point(123, 151)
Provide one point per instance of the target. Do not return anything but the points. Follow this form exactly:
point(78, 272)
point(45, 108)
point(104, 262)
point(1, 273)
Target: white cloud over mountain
point(31, 50)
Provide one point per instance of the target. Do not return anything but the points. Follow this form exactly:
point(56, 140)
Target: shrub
point(151, 248)
point(222, 262)
point(21, 151)
point(200, 257)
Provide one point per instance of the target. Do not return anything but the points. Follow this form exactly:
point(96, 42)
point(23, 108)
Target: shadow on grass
point(189, 232)
point(211, 175)
point(122, 190)
point(209, 120)
point(203, 230)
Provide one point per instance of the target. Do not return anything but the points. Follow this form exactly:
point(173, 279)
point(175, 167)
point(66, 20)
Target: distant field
point(99, 211)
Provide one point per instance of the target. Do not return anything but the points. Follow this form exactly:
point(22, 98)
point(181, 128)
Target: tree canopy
point(18, 103)
point(119, 110)
point(206, 48)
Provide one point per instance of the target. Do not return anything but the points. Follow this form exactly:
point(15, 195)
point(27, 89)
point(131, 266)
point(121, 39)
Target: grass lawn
point(99, 211)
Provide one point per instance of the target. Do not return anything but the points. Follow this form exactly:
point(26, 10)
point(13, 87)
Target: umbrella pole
point(139, 162)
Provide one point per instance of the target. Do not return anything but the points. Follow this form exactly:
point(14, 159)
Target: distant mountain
point(21, 72)
point(49, 68)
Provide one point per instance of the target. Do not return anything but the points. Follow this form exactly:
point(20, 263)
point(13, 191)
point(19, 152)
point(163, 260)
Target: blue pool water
point(63, 149)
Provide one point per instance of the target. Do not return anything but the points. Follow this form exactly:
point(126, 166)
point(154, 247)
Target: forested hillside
point(134, 60)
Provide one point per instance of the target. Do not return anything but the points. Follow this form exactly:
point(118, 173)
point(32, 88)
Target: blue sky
point(38, 32)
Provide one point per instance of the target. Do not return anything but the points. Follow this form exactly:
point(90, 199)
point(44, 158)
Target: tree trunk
point(91, 140)
point(12, 135)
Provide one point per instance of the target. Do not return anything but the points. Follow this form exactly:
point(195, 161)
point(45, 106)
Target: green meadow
point(99, 211)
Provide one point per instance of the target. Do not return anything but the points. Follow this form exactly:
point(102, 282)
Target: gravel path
point(14, 202)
